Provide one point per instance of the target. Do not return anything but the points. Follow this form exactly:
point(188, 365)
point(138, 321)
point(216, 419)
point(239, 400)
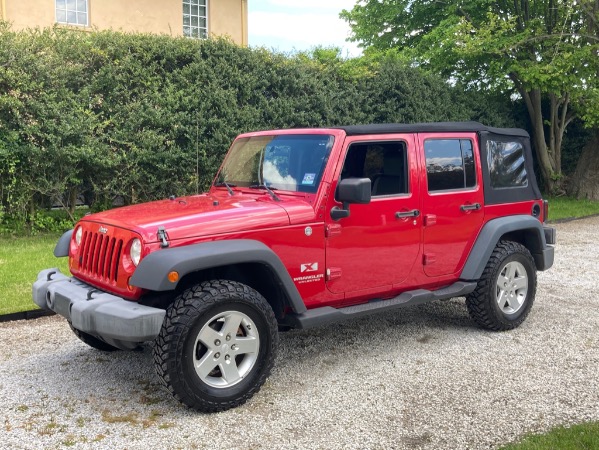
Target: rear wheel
point(92, 341)
point(217, 345)
point(506, 290)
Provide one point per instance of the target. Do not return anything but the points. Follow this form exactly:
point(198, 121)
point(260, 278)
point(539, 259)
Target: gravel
point(424, 377)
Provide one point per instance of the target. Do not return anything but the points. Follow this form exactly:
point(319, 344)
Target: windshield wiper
point(269, 190)
point(227, 185)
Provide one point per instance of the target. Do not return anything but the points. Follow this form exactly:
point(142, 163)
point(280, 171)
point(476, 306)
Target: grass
point(578, 437)
point(568, 207)
point(21, 259)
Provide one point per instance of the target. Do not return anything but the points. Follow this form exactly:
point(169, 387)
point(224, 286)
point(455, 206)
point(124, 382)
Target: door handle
point(473, 207)
point(404, 214)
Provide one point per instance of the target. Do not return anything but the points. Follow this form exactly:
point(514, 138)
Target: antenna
point(197, 156)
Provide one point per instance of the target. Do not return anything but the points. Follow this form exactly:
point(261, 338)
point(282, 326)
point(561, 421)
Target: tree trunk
point(72, 202)
point(547, 141)
point(585, 181)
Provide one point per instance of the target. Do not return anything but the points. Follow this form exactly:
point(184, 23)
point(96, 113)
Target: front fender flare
point(62, 246)
point(152, 272)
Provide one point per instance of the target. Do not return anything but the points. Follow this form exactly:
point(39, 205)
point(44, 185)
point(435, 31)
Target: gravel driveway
point(424, 377)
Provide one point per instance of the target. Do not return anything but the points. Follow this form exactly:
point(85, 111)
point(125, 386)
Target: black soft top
point(389, 128)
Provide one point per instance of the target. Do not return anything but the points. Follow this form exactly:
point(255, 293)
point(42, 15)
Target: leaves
point(141, 117)
point(540, 50)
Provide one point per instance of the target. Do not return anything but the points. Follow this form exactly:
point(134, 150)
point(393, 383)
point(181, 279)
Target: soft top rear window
point(506, 164)
point(508, 174)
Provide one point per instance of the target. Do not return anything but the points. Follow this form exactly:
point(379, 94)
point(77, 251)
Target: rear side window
point(506, 163)
point(449, 164)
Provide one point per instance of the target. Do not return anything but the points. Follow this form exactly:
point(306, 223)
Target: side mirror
point(351, 190)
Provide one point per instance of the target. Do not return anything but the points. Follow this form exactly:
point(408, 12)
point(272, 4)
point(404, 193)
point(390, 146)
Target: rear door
point(452, 200)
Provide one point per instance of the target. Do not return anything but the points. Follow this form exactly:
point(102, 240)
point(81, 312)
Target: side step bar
point(327, 314)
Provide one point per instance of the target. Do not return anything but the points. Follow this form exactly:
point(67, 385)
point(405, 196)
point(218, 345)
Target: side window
point(385, 163)
point(506, 164)
point(449, 164)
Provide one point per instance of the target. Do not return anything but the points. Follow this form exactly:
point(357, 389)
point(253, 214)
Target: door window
point(385, 163)
point(449, 164)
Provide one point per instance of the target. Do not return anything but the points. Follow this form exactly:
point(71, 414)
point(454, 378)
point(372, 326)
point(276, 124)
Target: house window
point(72, 12)
point(195, 18)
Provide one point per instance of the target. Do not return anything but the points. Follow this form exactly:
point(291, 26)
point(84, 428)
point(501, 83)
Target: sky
point(296, 25)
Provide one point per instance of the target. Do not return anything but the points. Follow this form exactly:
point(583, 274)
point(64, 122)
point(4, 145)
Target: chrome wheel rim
point(226, 349)
point(511, 287)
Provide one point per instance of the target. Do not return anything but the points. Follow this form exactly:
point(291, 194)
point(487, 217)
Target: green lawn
point(566, 207)
point(21, 259)
point(577, 437)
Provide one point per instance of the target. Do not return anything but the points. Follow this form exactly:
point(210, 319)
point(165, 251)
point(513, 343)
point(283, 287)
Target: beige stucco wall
point(151, 16)
point(228, 18)
point(225, 17)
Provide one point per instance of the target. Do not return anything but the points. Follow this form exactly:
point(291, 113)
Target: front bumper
point(94, 311)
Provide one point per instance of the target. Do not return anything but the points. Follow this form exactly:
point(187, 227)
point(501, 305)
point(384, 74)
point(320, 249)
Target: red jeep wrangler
point(301, 228)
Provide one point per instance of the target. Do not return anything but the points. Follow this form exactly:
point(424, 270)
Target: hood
point(206, 215)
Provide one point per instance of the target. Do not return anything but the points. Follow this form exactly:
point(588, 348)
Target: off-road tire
point(92, 341)
point(176, 347)
point(482, 303)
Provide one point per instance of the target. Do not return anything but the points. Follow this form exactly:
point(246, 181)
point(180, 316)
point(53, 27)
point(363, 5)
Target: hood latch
point(162, 236)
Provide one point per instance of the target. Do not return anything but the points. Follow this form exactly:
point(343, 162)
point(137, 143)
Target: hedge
point(107, 115)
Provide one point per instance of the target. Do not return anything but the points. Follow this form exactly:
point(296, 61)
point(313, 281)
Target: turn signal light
point(173, 276)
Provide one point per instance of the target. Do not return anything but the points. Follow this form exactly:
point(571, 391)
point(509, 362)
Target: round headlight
point(78, 235)
point(135, 251)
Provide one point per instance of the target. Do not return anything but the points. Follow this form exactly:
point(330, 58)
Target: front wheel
point(506, 290)
point(217, 345)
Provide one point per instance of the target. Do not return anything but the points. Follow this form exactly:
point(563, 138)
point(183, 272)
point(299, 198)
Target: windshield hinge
point(162, 236)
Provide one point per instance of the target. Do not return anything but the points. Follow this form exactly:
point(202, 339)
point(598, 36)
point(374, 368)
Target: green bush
point(141, 117)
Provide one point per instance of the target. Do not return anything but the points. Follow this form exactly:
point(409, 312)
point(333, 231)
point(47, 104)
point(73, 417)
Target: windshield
point(284, 162)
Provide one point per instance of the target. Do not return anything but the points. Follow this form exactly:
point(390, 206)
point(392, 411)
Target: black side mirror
point(351, 190)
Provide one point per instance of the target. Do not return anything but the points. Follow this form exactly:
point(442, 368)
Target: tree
point(546, 51)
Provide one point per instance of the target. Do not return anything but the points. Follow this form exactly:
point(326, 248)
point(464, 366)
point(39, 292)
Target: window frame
point(191, 27)
point(76, 11)
point(473, 148)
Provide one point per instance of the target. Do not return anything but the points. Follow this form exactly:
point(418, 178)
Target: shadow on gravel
point(103, 379)
point(418, 324)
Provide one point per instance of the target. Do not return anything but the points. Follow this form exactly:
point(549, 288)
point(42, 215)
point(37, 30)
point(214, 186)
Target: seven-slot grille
point(100, 255)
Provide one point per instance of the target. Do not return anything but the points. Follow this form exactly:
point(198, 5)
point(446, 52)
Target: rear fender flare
point(491, 234)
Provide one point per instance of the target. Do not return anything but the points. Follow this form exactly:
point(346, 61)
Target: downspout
point(3, 10)
point(244, 21)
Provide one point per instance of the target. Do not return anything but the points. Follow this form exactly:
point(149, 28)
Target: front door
point(378, 244)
